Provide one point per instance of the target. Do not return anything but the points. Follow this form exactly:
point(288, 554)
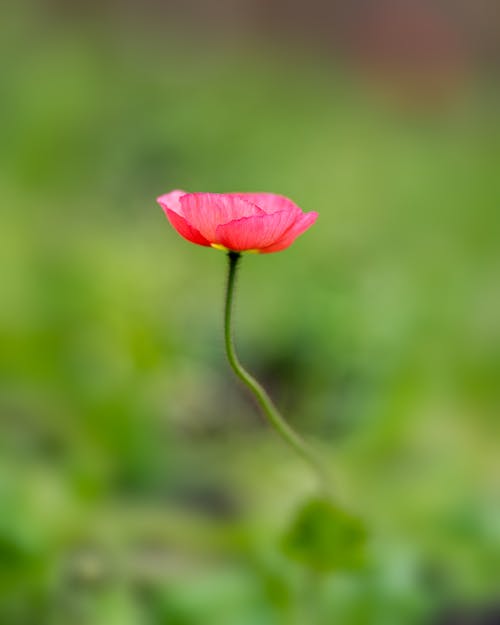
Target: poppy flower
point(239, 222)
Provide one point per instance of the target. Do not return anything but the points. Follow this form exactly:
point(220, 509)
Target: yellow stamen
point(222, 248)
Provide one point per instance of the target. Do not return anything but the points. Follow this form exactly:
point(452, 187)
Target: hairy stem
point(260, 394)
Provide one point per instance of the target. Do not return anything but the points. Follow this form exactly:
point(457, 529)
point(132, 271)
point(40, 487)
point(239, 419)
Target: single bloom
point(241, 222)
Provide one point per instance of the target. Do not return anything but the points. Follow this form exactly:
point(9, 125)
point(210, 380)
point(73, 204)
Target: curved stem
point(265, 402)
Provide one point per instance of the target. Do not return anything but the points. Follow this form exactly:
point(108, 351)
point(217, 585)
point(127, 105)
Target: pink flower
point(257, 222)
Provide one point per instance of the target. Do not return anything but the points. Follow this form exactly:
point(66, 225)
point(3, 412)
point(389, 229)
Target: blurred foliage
point(137, 483)
point(325, 538)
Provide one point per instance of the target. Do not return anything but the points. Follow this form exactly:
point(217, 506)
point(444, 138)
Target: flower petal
point(269, 202)
point(171, 201)
point(207, 211)
point(255, 232)
point(304, 222)
point(184, 228)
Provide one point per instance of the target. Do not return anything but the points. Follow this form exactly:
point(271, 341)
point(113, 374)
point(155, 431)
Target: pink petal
point(207, 211)
point(171, 201)
point(269, 202)
point(184, 228)
point(304, 222)
point(256, 232)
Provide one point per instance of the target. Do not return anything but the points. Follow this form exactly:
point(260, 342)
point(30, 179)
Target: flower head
point(257, 222)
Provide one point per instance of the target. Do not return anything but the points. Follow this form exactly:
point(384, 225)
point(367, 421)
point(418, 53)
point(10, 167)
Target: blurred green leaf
point(325, 537)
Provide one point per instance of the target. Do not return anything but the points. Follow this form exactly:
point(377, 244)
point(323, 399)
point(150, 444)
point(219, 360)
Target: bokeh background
point(138, 484)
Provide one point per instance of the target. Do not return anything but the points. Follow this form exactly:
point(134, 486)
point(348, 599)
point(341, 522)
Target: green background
point(138, 484)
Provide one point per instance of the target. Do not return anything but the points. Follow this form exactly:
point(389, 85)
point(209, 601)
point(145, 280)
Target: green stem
point(265, 402)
